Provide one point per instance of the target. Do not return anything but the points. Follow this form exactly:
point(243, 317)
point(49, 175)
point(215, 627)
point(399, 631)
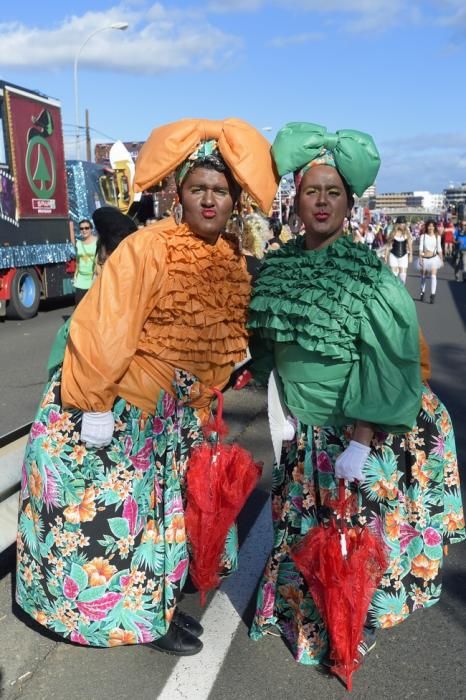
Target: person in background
point(379, 241)
point(460, 252)
point(369, 236)
point(448, 238)
point(356, 234)
point(399, 250)
point(275, 226)
point(441, 233)
point(430, 258)
point(112, 227)
point(341, 334)
point(85, 245)
point(254, 239)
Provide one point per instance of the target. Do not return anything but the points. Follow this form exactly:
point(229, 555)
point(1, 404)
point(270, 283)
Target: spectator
point(86, 245)
point(460, 252)
point(430, 258)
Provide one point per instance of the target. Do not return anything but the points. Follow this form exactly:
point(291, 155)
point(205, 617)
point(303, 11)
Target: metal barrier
point(12, 448)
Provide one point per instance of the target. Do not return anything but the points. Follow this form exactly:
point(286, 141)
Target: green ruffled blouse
point(342, 332)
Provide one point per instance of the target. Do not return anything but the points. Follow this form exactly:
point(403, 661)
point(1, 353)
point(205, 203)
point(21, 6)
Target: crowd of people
point(103, 552)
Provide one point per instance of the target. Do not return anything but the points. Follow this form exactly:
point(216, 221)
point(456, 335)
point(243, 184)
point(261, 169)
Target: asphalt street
point(425, 657)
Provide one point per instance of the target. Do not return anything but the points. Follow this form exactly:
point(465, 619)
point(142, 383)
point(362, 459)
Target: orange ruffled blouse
point(166, 299)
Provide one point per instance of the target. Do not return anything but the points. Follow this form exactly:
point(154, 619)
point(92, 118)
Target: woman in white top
point(430, 258)
point(399, 250)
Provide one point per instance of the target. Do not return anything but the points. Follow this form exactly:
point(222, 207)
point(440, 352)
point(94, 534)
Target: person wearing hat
point(112, 227)
point(399, 249)
point(340, 333)
point(102, 550)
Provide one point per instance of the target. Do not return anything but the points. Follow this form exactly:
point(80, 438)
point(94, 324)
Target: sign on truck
point(35, 245)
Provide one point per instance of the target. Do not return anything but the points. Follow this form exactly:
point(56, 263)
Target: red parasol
point(220, 478)
point(342, 567)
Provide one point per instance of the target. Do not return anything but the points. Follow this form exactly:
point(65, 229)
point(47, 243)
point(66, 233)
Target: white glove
point(97, 428)
point(282, 425)
point(350, 463)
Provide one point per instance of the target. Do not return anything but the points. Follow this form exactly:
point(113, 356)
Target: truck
point(42, 199)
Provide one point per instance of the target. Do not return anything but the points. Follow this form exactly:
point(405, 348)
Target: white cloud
point(423, 162)
point(235, 5)
point(356, 16)
point(452, 14)
point(280, 42)
point(158, 39)
point(428, 142)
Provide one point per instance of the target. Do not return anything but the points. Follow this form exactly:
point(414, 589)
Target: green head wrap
point(355, 154)
point(206, 151)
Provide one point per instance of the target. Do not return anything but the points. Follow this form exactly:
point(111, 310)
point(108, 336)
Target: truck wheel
point(25, 294)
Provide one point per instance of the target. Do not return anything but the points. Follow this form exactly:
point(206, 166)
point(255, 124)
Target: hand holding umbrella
point(342, 567)
point(219, 481)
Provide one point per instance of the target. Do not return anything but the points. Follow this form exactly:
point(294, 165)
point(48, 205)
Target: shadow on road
point(458, 294)
point(451, 359)
point(56, 303)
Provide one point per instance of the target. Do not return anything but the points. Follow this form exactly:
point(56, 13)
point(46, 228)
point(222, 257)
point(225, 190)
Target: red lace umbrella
point(342, 567)
point(220, 478)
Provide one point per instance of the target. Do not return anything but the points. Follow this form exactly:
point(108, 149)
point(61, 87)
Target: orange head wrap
point(245, 151)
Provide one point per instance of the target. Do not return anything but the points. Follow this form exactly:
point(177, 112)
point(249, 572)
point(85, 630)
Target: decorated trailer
point(36, 252)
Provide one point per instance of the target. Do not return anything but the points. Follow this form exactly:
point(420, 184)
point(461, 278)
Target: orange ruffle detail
point(166, 300)
point(200, 314)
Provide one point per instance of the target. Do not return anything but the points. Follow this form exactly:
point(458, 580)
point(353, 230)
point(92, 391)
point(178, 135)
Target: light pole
point(115, 25)
point(279, 193)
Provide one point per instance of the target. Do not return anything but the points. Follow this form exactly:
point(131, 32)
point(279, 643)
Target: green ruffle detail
point(315, 298)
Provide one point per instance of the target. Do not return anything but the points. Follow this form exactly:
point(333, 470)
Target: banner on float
point(36, 141)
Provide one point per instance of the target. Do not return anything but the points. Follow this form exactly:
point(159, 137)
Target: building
point(432, 202)
point(102, 151)
point(454, 197)
point(395, 200)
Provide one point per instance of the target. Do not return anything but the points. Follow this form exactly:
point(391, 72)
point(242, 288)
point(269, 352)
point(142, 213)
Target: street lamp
point(279, 192)
point(115, 25)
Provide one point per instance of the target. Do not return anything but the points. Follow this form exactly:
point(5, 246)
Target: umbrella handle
point(219, 396)
point(341, 491)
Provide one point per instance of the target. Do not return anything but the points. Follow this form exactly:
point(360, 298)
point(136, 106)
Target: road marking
point(193, 677)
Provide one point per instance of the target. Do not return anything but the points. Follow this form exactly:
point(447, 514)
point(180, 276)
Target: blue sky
point(394, 68)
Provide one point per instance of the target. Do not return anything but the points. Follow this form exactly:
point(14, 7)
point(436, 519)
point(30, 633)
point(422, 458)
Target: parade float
point(42, 197)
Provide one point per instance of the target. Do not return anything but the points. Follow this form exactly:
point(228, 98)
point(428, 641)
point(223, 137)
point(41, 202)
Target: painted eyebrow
point(325, 187)
point(223, 188)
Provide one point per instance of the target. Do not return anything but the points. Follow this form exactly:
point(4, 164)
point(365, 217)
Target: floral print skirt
point(102, 553)
point(410, 496)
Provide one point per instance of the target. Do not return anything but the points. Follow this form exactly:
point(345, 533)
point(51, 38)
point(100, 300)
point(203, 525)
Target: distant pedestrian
point(460, 252)
point(448, 239)
point(86, 246)
point(369, 236)
point(399, 250)
point(275, 228)
point(430, 258)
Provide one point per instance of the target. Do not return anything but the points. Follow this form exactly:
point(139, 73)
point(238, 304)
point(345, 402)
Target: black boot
point(188, 623)
point(432, 298)
point(421, 296)
point(178, 642)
